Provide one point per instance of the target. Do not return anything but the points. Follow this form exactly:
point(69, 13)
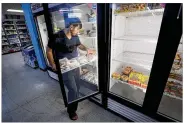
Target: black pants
point(72, 108)
point(71, 80)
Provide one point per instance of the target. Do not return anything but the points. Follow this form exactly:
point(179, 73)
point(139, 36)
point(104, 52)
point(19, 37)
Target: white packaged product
point(82, 60)
point(73, 63)
point(63, 65)
point(91, 58)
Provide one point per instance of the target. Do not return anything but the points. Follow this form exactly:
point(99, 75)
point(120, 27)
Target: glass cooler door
point(80, 73)
point(134, 35)
point(171, 102)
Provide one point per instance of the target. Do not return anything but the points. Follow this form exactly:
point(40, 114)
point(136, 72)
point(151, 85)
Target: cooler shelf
point(142, 13)
point(150, 39)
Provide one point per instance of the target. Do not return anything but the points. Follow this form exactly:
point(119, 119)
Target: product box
point(29, 56)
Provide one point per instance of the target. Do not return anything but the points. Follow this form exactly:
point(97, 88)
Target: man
point(65, 44)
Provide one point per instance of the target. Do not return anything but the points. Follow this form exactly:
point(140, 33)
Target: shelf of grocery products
point(90, 77)
point(26, 41)
point(139, 64)
point(134, 86)
point(9, 29)
point(141, 13)
point(4, 39)
point(176, 81)
point(21, 28)
point(12, 38)
point(5, 44)
point(12, 34)
point(150, 39)
point(8, 24)
point(143, 89)
point(172, 96)
point(68, 65)
point(20, 24)
point(24, 37)
point(15, 43)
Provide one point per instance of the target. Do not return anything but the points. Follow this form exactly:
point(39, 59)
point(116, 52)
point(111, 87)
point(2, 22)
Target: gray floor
point(31, 95)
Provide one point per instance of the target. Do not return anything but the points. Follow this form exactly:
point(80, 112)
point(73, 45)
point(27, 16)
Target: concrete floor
point(31, 95)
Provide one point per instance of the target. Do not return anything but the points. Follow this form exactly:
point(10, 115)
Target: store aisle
point(31, 95)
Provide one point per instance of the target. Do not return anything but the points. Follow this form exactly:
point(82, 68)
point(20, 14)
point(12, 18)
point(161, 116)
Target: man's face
point(74, 30)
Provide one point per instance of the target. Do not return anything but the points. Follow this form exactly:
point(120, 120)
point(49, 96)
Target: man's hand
point(90, 52)
point(53, 67)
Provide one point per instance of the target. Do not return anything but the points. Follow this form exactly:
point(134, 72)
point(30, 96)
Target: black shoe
point(73, 116)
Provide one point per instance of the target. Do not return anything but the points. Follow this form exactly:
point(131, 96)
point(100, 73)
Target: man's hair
point(75, 22)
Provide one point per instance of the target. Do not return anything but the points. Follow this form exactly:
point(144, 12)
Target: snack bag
point(144, 81)
point(134, 78)
point(116, 75)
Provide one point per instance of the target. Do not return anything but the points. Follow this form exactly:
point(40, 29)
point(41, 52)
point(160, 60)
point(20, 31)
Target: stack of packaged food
point(174, 83)
point(132, 77)
point(66, 64)
point(90, 77)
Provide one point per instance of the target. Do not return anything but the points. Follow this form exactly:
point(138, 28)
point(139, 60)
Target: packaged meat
point(73, 63)
point(82, 60)
point(127, 70)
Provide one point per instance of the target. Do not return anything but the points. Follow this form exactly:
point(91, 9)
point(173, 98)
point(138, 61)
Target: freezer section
point(135, 30)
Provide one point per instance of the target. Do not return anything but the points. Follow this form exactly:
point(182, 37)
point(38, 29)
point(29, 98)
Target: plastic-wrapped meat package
point(91, 58)
point(73, 63)
point(82, 60)
point(63, 64)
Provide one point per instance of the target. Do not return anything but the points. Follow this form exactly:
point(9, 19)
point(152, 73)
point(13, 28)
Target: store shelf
point(15, 43)
point(21, 28)
point(142, 13)
point(26, 41)
point(12, 38)
point(176, 81)
point(8, 24)
point(136, 60)
point(11, 52)
point(12, 34)
point(134, 86)
point(79, 66)
point(22, 33)
point(150, 39)
point(20, 24)
point(172, 96)
point(4, 39)
point(9, 29)
point(24, 37)
point(5, 44)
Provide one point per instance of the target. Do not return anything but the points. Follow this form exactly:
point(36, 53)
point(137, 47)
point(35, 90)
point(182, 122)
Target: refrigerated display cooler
point(135, 45)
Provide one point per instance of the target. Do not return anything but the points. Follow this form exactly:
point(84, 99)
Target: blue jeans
point(71, 80)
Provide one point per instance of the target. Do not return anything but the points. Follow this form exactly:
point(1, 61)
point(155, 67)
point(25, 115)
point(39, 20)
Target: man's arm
point(51, 58)
point(82, 47)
